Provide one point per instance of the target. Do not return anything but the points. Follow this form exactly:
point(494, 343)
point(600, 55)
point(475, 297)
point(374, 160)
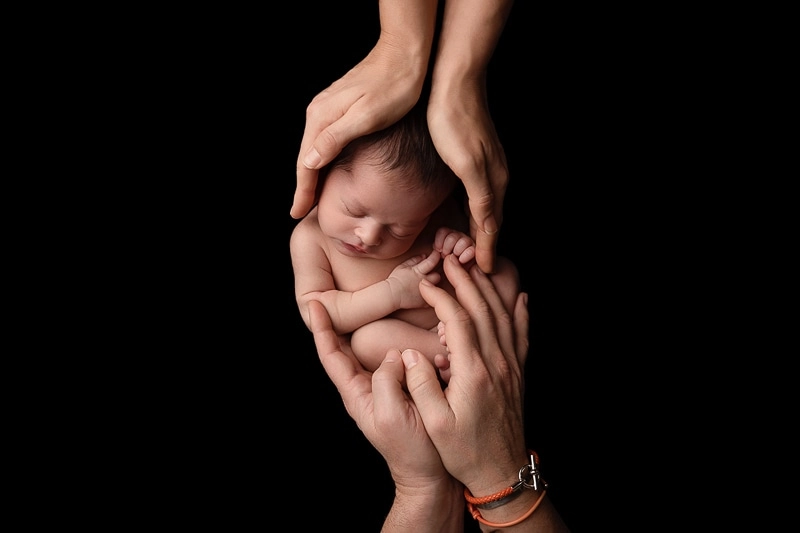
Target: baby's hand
point(404, 280)
point(449, 241)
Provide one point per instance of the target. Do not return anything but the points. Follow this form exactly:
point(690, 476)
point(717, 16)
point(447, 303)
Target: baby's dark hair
point(405, 146)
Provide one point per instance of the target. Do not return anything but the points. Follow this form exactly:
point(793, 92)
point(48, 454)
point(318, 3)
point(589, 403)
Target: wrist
point(457, 74)
point(405, 60)
point(496, 475)
point(424, 490)
point(394, 300)
point(435, 506)
point(465, 89)
point(514, 511)
point(513, 505)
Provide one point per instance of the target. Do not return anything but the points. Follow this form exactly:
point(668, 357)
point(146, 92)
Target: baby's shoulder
point(306, 231)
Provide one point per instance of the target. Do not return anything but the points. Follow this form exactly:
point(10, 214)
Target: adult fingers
point(359, 119)
point(426, 391)
point(521, 328)
point(490, 207)
point(498, 330)
point(340, 115)
point(350, 379)
point(328, 130)
point(485, 180)
point(305, 194)
point(471, 297)
point(307, 177)
point(387, 391)
point(398, 421)
point(462, 341)
point(484, 225)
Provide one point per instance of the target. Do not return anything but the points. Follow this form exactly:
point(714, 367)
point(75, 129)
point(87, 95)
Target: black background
point(542, 232)
point(247, 418)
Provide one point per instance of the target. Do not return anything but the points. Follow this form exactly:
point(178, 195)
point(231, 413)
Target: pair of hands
point(376, 93)
point(473, 429)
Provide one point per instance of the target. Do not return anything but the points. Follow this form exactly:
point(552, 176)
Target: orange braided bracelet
point(509, 493)
point(529, 478)
point(477, 515)
point(492, 497)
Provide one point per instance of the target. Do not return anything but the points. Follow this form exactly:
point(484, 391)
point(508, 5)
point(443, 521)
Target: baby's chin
point(351, 250)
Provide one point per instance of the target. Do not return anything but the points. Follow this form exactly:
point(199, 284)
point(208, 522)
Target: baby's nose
point(370, 233)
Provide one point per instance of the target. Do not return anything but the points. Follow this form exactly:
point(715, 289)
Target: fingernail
point(391, 356)
point(312, 159)
point(410, 358)
point(489, 225)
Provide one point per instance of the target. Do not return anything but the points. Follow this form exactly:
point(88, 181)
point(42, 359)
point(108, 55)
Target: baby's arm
point(351, 310)
point(398, 291)
point(449, 241)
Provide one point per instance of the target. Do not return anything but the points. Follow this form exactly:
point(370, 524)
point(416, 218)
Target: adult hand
point(479, 414)
point(465, 137)
point(459, 119)
point(374, 94)
point(426, 496)
point(476, 422)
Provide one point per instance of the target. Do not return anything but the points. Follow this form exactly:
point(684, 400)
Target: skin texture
point(362, 252)
point(375, 93)
point(427, 498)
point(388, 82)
point(459, 118)
point(435, 440)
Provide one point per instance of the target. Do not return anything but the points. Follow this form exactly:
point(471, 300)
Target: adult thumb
point(423, 384)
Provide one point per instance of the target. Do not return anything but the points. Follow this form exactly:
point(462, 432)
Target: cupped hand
point(465, 137)
point(379, 406)
point(374, 94)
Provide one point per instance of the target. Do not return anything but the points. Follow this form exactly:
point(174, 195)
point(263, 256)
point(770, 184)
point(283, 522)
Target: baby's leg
point(371, 341)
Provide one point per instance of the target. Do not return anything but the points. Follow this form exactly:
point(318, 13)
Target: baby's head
point(404, 152)
point(379, 193)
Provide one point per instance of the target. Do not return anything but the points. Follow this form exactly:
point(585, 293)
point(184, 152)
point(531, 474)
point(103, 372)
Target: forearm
point(469, 35)
point(435, 509)
point(408, 27)
point(351, 310)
